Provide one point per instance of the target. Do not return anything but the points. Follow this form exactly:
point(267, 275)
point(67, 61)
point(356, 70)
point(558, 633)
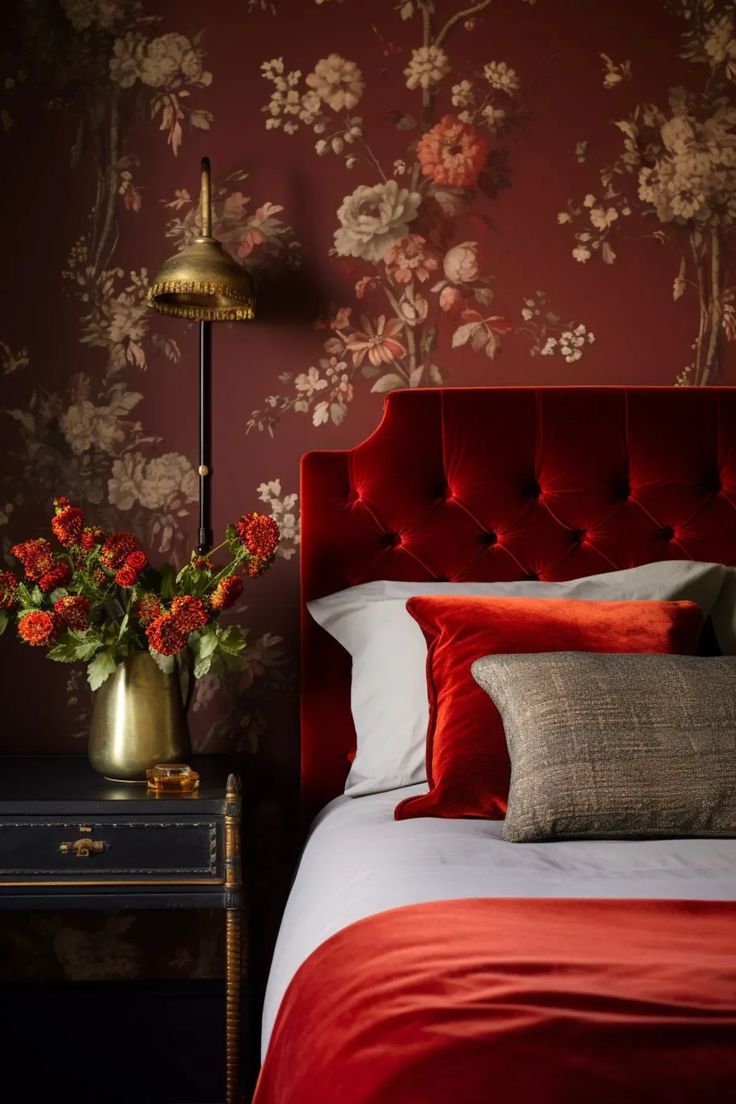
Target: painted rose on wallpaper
point(407, 232)
point(678, 170)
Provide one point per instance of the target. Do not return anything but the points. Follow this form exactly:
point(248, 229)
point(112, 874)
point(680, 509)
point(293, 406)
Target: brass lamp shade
point(203, 282)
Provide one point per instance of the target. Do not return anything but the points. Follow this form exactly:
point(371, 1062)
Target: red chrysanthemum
point(73, 610)
point(58, 575)
point(126, 576)
point(452, 152)
point(8, 590)
point(165, 635)
point(99, 577)
point(68, 523)
point(37, 556)
point(227, 592)
point(149, 608)
point(190, 613)
point(259, 535)
point(117, 548)
point(91, 537)
point(137, 560)
point(201, 563)
point(38, 628)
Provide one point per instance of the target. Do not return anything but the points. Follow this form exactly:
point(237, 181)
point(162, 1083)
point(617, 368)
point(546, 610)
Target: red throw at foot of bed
point(521, 1001)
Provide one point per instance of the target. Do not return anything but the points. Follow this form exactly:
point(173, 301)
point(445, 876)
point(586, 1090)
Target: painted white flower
point(285, 512)
point(165, 483)
point(338, 82)
point(589, 200)
point(427, 67)
point(462, 94)
point(501, 77)
point(495, 117)
point(719, 43)
point(86, 13)
point(460, 264)
point(87, 426)
point(307, 383)
point(373, 218)
point(127, 59)
point(563, 217)
point(581, 253)
point(170, 55)
point(602, 217)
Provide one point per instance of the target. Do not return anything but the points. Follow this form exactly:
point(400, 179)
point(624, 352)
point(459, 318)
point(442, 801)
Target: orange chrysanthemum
point(68, 523)
point(452, 152)
point(58, 575)
point(190, 613)
point(227, 592)
point(37, 556)
point(165, 635)
point(73, 610)
point(91, 537)
point(38, 628)
point(8, 590)
point(149, 608)
point(117, 548)
point(259, 535)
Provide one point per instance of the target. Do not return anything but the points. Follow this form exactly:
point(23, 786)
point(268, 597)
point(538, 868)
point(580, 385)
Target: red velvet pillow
point(468, 767)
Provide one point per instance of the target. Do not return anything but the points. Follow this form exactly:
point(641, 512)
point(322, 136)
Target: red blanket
point(514, 1001)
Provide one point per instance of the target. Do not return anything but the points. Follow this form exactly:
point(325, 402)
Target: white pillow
point(389, 686)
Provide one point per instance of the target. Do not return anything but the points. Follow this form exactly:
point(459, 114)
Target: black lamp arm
point(204, 535)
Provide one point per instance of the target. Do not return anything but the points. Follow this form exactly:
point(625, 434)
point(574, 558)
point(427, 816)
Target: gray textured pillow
point(616, 746)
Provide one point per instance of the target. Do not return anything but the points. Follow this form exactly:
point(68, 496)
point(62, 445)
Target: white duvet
point(358, 861)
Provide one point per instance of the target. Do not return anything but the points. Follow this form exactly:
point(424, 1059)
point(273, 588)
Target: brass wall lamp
point(203, 283)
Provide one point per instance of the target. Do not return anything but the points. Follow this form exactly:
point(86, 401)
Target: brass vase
point(138, 720)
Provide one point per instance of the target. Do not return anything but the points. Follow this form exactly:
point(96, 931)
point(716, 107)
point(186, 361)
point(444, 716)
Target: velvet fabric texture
point(561, 1001)
point(468, 766)
point(494, 484)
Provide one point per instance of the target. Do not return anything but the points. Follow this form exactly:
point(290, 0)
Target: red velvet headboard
point(504, 483)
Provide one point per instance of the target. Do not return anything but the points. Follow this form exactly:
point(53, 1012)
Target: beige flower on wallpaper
point(167, 482)
point(83, 14)
point(157, 62)
point(87, 426)
point(501, 77)
point(127, 59)
point(719, 43)
point(285, 512)
point(374, 218)
point(460, 264)
point(338, 82)
point(427, 67)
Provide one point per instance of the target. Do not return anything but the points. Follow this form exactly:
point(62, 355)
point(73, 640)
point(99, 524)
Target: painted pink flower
point(450, 298)
point(379, 344)
point(452, 152)
point(461, 263)
point(408, 259)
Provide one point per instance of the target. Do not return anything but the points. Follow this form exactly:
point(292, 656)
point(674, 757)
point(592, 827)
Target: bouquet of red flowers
point(96, 599)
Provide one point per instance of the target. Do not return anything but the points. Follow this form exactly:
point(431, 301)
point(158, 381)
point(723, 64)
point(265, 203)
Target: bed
point(428, 959)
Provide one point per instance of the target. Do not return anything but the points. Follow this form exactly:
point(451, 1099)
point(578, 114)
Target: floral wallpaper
point(427, 192)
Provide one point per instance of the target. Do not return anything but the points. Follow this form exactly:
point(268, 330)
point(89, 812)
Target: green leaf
point(164, 663)
point(55, 595)
point(231, 640)
point(72, 647)
point(4, 618)
point(168, 581)
point(101, 667)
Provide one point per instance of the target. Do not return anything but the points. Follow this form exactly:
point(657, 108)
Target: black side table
point(69, 840)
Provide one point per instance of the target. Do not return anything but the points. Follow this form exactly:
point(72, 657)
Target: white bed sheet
point(359, 861)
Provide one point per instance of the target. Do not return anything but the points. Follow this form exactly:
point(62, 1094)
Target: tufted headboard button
point(666, 532)
point(488, 538)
